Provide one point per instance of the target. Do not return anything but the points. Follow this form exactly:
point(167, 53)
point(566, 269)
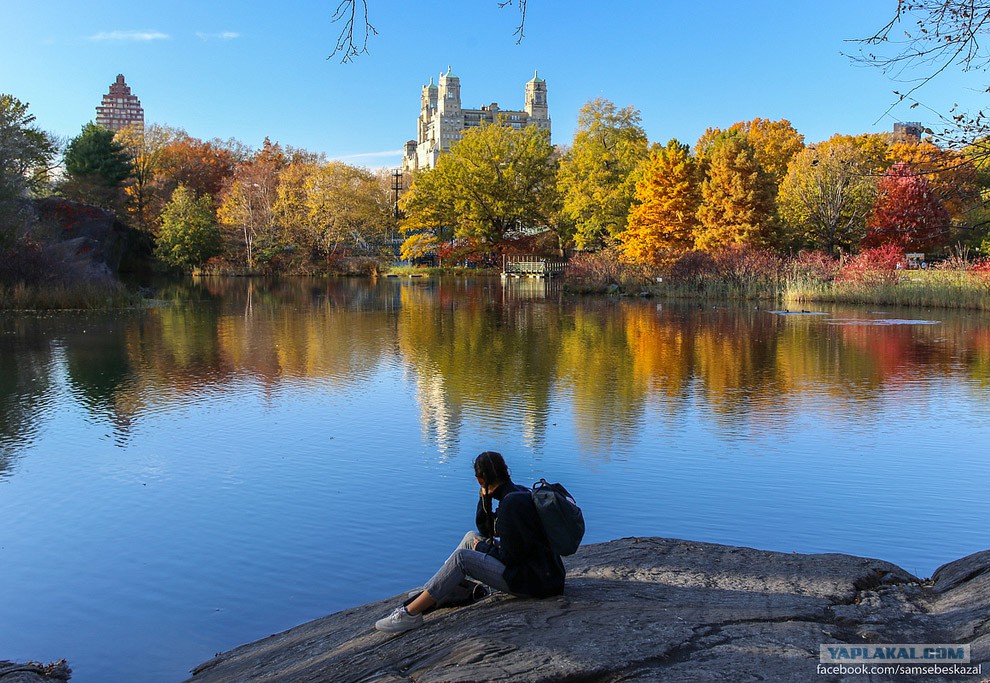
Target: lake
point(246, 455)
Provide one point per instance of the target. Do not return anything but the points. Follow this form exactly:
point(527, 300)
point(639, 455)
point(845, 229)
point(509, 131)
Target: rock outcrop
point(645, 609)
point(34, 672)
point(91, 237)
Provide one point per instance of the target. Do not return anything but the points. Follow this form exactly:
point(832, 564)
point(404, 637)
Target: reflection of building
point(908, 132)
point(120, 108)
point(442, 121)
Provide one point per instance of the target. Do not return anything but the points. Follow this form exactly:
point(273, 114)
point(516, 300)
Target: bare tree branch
point(521, 28)
point(347, 12)
point(922, 41)
point(353, 17)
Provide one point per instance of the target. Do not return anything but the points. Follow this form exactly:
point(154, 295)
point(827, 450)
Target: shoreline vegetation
point(878, 276)
point(750, 212)
point(875, 277)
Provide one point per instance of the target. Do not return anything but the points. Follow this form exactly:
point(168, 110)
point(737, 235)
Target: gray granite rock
point(34, 672)
point(644, 609)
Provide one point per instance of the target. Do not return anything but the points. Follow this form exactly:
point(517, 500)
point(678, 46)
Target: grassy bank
point(926, 289)
point(84, 296)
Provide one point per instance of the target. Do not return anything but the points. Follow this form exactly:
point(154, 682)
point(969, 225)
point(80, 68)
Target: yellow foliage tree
point(737, 197)
point(774, 143)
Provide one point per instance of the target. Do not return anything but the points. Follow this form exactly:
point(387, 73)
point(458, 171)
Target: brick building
point(119, 108)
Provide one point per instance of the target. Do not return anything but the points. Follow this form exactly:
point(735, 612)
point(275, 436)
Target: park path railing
point(528, 265)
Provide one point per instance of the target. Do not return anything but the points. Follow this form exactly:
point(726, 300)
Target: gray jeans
point(466, 563)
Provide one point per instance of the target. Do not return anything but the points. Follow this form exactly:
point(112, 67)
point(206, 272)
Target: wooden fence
point(528, 265)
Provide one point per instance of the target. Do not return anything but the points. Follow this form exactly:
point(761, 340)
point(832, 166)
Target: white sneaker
point(398, 621)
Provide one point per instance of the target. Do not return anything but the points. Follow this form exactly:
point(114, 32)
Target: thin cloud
point(360, 155)
point(132, 36)
point(222, 35)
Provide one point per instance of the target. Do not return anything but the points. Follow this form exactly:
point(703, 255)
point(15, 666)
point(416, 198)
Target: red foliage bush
point(748, 265)
point(693, 265)
point(981, 269)
point(816, 266)
point(735, 265)
point(596, 268)
point(875, 266)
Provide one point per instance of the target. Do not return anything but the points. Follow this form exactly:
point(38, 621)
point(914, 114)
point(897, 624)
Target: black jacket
point(531, 567)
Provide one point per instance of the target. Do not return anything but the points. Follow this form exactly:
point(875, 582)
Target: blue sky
point(249, 69)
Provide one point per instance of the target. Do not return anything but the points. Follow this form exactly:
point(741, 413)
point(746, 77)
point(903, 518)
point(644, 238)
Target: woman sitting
point(510, 553)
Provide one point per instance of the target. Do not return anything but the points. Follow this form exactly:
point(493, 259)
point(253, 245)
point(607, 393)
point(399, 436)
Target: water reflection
point(485, 352)
point(26, 378)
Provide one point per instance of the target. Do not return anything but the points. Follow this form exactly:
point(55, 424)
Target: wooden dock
point(528, 265)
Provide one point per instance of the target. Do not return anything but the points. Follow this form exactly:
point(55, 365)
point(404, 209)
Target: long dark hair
point(490, 467)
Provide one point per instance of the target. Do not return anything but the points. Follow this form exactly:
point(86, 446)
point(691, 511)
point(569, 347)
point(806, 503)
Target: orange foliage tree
point(662, 225)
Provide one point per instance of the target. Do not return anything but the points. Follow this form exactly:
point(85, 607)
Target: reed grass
point(82, 296)
point(925, 289)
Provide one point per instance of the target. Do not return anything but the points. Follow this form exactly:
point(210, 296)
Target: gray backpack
point(563, 521)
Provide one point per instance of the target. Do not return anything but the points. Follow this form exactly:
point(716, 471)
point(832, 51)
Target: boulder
point(92, 237)
point(643, 609)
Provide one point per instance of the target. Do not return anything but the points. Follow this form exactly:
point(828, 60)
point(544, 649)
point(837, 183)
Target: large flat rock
point(644, 609)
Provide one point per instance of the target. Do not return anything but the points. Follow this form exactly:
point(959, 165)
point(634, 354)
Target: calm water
point(249, 456)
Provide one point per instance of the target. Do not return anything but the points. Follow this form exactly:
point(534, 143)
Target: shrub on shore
point(35, 276)
point(875, 276)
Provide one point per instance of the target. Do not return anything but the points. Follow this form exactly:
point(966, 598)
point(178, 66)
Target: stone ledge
point(643, 609)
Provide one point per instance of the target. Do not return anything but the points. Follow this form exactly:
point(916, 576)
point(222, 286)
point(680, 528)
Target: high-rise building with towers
point(119, 108)
point(442, 121)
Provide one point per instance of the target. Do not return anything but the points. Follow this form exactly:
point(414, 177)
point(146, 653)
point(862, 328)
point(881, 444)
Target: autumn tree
point(494, 182)
point(662, 224)
point(201, 166)
point(907, 212)
point(976, 226)
point(26, 156)
point(737, 206)
point(597, 176)
point(96, 166)
point(328, 207)
point(774, 143)
point(428, 211)
point(189, 234)
point(145, 145)
point(952, 175)
point(827, 196)
point(874, 148)
point(248, 202)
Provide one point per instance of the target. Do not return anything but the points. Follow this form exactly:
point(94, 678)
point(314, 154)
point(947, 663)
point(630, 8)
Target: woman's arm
point(484, 517)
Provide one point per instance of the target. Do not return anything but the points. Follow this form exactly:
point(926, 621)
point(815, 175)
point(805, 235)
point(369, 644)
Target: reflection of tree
point(268, 330)
point(597, 366)
point(99, 367)
point(736, 361)
point(976, 356)
point(481, 354)
point(490, 356)
point(25, 384)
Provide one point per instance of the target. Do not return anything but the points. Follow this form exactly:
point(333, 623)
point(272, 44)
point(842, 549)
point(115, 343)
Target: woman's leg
point(462, 564)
